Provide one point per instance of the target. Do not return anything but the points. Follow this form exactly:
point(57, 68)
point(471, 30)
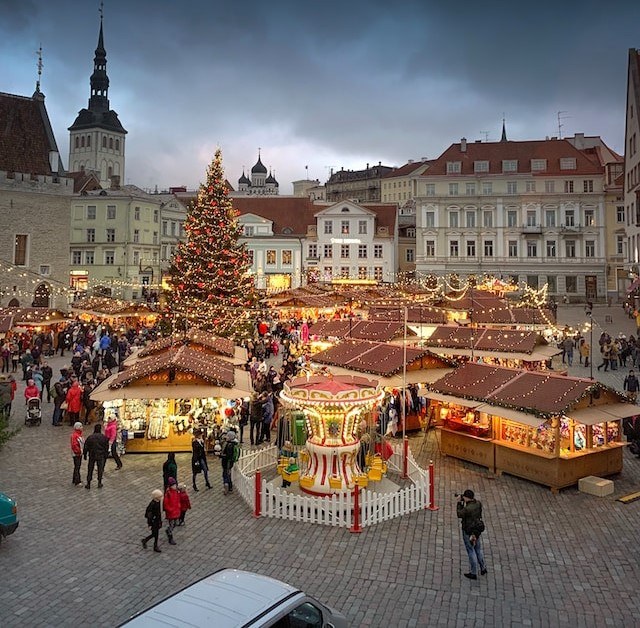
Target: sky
point(323, 83)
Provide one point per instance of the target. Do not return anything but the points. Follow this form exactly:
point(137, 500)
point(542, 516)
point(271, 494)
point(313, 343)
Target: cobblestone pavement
point(554, 560)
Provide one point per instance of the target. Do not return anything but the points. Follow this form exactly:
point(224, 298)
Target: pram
point(34, 412)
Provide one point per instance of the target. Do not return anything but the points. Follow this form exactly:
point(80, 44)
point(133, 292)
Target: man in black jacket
point(96, 447)
point(469, 509)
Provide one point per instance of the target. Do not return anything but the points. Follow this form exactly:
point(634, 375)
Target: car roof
point(228, 598)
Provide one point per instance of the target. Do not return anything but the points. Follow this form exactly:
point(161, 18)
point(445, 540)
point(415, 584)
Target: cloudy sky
point(323, 83)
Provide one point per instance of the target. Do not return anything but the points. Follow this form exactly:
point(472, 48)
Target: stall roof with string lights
point(380, 331)
point(542, 426)
point(106, 307)
point(26, 317)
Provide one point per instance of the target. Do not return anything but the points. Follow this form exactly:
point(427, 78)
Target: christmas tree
point(212, 288)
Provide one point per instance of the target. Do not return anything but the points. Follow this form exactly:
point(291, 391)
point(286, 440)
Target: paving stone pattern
point(554, 560)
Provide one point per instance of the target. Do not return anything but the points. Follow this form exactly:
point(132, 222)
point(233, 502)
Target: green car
point(8, 516)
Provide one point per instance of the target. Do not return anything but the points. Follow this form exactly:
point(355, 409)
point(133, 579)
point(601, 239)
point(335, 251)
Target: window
point(590, 248)
point(531, 218)
point(344, 272)
point(136, 257)
point(550, 217)
point(513, 248)
point(312, 251)
point(249, 231)
point(411, 232)
point(173, 228)
point(328, 272)
point(76, 257)
point(111, 212)
point(487, 218)
point(620, 245)
point(21, 250)
point(453, 167)
point(328, 227)
point(89, 257)
point(589, 218)
point(77, 142)
point(470, 189)
point(453, 220)
point(271, 257)
point(91, 212)
point(454, 249)
point(481, 166)
point(155, 237)
point(568, 186)
point(165, 228)
point(430, 248)
point(111, 142)
point(488, 248)
point(552, 283)
point(487, 188)
point(362, 272)
point(287, 257)
point(570, 248)
point(620, 213)
point(362, 251)
point(344, 227)
point(328, 251)
point(111, 235)
point(532, 248)
point(109, 258)
point(550, 187)
point(538, 165)
point(45, 270)
point(250, 253)
point(377, 273)
point(410, 255)
point(136, 236)
point(155, 257)
point(551, 248)
point(156, 215)
point(532, 281)
point(304, 616)
point(509, 165)
point(571, 284)
point(104, 141)
point(117, 144)
point(431, 189)
point(91, 235)
point(453, 189)
point(88, 141)
point(362, 227)
point(471, 219)
point(377, 251)
point(567, 163)
point(344, 251)
point(512, 187)
point(471, 248)
point(587, 185)
point(569, 218)
point(512, 218)
point(530, 186)
point(136, 213)
point(430, 219)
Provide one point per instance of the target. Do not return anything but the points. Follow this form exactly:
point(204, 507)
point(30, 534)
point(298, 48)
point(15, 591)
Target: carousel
point(333, 408)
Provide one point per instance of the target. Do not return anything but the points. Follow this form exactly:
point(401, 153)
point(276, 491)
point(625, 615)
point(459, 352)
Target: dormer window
point(538, 165)
point(345, 210)
point(481, 166)
point(509, 165)
point(454, 167)
point(568, 163)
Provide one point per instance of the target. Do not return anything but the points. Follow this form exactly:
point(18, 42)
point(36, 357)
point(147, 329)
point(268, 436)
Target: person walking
point(169, 470)
point(585, 352)
point(469, 510)
point(228, 457)
point(77, 448)
point(171, 507)
point(58, 399)
point(267, 417)
point(96, 448)
point(255, 418)
point(111, 432)
point(74, 401)
point(185, 503)
point(199, 459)
point(153, 514)
point(631, 385)
point(47, 375)
point(567, 346)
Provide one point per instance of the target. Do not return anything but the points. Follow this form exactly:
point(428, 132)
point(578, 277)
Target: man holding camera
point(469, 510)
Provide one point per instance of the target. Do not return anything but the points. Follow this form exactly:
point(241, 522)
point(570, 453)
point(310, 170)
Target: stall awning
point(513, 415)
point(541, 354)
point(436, 396)
point(600, 414)
point(423, 376)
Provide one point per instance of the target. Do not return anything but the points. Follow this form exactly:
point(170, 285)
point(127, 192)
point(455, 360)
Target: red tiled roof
point(25, 135)
point(407, 169)
point(495, 152)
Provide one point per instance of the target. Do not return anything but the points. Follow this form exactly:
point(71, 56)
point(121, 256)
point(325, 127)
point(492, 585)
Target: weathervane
point(40, 66)
point(101, 10)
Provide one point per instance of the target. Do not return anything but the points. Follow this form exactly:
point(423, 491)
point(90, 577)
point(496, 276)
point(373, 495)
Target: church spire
point(99, 100)
point(504, 131)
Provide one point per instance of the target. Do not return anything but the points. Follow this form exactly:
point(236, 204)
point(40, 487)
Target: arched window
point(110, 142)
point(104, 141)
point(42, 296)
point(82, 141)
point(88, 141)
point(109, 172)
point(77, 142)
point(14, 303)
point(117, 144)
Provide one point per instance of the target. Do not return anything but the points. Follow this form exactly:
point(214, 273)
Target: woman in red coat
point(171, 507)
point(74, 402)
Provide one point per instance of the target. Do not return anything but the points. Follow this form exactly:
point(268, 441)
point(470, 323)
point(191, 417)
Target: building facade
point(632, 160)
point(531, 212)
point(360, 186)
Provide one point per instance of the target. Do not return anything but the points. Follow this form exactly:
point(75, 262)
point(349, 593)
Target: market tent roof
point(425, 314)
point(536, 356)
point(513, 415)
point(601, 413)
point(223, 346)
point(25, 316)
point(105, 306)
point(423, 376)
point(380, 331)
point(461, 401)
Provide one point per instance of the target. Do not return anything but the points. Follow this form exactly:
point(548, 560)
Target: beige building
point(359, 186)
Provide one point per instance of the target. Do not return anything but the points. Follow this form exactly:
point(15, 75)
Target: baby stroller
point(34, 412)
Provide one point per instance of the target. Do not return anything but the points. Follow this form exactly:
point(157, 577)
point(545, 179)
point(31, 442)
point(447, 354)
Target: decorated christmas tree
point(211, 287)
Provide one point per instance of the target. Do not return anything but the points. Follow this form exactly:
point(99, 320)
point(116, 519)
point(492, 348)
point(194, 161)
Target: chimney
point(367, 165)
point(410, 161)
point(115, 182)
point(463, 145)
point(54, 160)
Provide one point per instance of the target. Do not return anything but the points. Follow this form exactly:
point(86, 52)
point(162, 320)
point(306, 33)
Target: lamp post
point(590, 315)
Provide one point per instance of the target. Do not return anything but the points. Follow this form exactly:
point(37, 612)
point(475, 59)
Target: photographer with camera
point(469, 510)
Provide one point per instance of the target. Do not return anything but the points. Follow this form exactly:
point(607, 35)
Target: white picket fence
point(269, 500)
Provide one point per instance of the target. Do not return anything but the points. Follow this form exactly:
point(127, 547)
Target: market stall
point(543, 427)
point(114, 311)
point(161, 399)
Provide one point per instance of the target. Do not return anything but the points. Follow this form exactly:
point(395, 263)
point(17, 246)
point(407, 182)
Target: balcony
point(532, 229)
point(571, 228)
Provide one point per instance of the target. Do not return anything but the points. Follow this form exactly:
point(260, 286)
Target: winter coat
point(74, 398)
point(96, 446)
point(185, 502)
point(31, 391)
point(171, 503)
point(470, 512)
point(77, 443)
point(153, 515)
point(227, 455)
point(105, 342)
point(169, 470)
point(111, 431)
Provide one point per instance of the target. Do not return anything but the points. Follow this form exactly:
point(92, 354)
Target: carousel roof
point(223, 346)
point(381, 331)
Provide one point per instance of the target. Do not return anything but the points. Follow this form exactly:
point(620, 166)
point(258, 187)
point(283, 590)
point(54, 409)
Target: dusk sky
point(322, 83)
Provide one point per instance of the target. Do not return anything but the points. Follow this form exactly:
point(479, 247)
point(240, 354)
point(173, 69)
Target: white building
point(632, 159)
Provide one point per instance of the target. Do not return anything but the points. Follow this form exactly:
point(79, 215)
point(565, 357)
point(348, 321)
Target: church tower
point(96, 138)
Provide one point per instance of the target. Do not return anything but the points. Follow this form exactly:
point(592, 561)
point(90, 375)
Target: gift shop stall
point(161, 399)
point(114, 312)
point(540, 426)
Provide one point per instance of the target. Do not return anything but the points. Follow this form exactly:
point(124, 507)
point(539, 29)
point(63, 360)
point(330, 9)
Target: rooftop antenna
point(40, 66)
point(560, 125)
point(486, 135)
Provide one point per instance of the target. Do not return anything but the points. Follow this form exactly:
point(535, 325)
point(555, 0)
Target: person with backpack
point(469, 510)
point(228, 456)
point(631, 385)
point(153, 515)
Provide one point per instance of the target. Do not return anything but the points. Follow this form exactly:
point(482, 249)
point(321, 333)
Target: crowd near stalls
point(541, 426)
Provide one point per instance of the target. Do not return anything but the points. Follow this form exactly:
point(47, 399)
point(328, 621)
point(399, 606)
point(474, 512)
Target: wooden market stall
point(540, 426)
point(114, 311)
point(161, 399)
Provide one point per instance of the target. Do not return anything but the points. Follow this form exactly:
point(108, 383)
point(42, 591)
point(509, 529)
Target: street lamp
point(590, 315)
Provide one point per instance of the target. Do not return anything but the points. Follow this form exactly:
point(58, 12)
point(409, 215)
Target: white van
point(231, 598)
